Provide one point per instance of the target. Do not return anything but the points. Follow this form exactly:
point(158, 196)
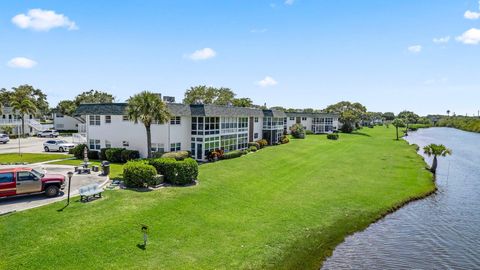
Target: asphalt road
point(24, 202)
point(28, 145)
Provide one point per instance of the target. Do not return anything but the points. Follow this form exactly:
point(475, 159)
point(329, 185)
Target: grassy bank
point(30, 158)
point(284, 207)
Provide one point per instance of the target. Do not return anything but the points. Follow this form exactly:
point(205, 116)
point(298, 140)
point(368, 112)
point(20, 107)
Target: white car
point(4, 138)
point(57, 145)
point(48, 133)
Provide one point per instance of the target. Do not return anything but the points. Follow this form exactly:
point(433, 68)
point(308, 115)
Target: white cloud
point(472, 15)
point(267, 81)
point(415, 48)
point(441, 40)
point(436, 81)
point(202, 54)
point(263, 30)
point(43, 20)
point(21, 62)
point(289, 2)
point(471, 37)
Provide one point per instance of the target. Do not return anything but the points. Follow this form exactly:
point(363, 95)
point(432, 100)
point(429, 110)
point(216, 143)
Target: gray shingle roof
point(119, 109)
point(216, 110)
point(274, 113)
point(312, 115)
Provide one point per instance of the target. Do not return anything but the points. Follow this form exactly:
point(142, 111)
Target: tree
point(409, 118)
point(397, 123)
point(93, 96)
point(436, 150)
point(36, 96)
point(224, 96)
point(389, 116)
point(242, 102)
point(350, 114)
point(147, 108)
point(66, 107)
point(203, 94)
point(448, 112)
point(23, 107)
point(7, 129)
point(278, 108)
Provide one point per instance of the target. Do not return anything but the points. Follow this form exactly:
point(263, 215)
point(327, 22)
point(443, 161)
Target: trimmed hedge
point(138, 174)
point(114, 154)
point(178, 172)
point(93, 154)
point(332, 136)
point(262, 143)
point(179, 155)
point(309, 132)
point(234, 154)
point(77, 151)
point(252, 149)
point(128, 155)
point(102, 155)
point(256, 144)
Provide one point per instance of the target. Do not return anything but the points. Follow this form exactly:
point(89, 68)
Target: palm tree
point(436, 150)
point(147, 108)
point(7, 129)
point(23, 107)
point(448, 112)
point(397, 122)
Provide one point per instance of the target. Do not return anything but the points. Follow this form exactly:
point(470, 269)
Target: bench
point(90, 191)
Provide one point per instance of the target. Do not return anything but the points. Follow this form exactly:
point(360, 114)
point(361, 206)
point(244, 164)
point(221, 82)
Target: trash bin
point(95, 168)
point(105, 168)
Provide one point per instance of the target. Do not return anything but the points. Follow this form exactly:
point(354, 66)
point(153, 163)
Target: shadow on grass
point(361, 134)
point(142, 246)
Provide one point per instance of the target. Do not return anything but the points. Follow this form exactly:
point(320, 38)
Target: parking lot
point(28, 145)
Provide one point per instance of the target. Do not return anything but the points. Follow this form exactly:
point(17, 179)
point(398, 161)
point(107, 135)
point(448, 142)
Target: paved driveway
point(30, 201)
point(28, 145)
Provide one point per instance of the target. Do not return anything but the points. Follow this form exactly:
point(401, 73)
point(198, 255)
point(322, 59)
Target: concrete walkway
point(20, 203)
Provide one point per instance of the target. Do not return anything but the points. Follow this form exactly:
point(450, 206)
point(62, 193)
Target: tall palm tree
point(397, 122)
point(147, 108)
point(436, 150)
point(448, 112)
point(23, 107)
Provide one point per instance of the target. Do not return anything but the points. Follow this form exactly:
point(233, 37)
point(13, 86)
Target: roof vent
point(169, 99)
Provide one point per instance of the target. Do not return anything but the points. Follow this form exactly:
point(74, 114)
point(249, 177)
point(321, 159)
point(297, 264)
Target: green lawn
point(30, 158)
point(284, 207)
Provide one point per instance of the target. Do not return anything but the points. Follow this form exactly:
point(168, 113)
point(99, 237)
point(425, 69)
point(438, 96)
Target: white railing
point(82, 128)
point(13, 122)
point(35, 125)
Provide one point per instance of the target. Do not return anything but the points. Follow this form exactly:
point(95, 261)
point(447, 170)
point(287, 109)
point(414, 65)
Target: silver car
point(48, 133)
point(4, 138)
point(57, 145)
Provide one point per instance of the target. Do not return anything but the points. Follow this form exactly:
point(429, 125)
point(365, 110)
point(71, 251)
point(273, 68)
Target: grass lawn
point(284, 207)
point(30, 158)
point(115, 169)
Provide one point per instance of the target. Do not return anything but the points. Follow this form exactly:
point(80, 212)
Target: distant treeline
point(460, 122)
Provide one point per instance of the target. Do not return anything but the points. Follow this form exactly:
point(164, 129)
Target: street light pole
point(70, 174)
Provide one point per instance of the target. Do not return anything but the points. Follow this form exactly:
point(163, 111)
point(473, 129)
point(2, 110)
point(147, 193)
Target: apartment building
point(315, 122)
point(8, 117)
point(197, 128)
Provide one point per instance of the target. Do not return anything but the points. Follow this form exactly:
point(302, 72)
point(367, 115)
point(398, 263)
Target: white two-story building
point(8, 117)
point(315, 122)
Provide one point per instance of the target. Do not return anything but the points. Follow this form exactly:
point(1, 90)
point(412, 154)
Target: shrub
point(332, 136)
point(347, 127)
point(128, 155)
point(156, 180)
point(77, 151)
point(284, 140)
point(215, 155)
point(114, 154)
point(93, 154)
point(102, 155)
point(180, 155)
point(262, 143)
point(179, 172)
point(252, 148)
point(308, 132)
point(298, 131)
point(256, 144)
point(234, 154)
point(138, 173)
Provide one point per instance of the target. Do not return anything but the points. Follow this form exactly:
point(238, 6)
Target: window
point(94, 120)
point(108, 119)
point(6, 177)
point(292, 118)
point(174, 147)
point(242, 141)
point(229, 142)
point(229, 124)
point(94, 144)
point(108, 144)
point(125, 118)
point(25, 176)
point(242, 124)
point(158, 148)
point(255, 135)
point(255, 119)
point(125, 143)
point(304, 118)
point(175, 120)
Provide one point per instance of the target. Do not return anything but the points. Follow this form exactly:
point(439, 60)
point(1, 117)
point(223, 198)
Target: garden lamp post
point(69, 174)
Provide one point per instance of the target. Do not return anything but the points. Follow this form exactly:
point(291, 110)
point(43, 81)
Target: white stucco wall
point(65, 123)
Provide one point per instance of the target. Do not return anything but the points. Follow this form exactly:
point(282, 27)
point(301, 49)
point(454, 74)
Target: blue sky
point(300, 53)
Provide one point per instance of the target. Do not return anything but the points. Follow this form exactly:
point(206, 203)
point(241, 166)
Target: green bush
point(178, 172)
point(298, 131)
point(102, 155)
point(138, 173)
point(114, 155)
point(179, 155)
point(332, 136)
point(156, 180)
point(77, 151)
point(93, 154)
point(252, 148)
point(234, 154)
point(284, 139)
point(308, 132)
point(256, 144)
point(128, 155)
point(262, 143)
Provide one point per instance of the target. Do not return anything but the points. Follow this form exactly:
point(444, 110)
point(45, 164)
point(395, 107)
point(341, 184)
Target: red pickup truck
point(19, 181)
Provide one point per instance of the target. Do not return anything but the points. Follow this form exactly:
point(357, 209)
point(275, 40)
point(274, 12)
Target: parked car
point(18, 181)
point(4, 138)
point(57, 145)
point(48, 133)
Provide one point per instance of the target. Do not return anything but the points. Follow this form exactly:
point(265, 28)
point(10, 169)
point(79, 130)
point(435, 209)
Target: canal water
point(439, 232)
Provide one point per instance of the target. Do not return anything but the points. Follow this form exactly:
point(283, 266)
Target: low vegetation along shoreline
point(285, 207)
